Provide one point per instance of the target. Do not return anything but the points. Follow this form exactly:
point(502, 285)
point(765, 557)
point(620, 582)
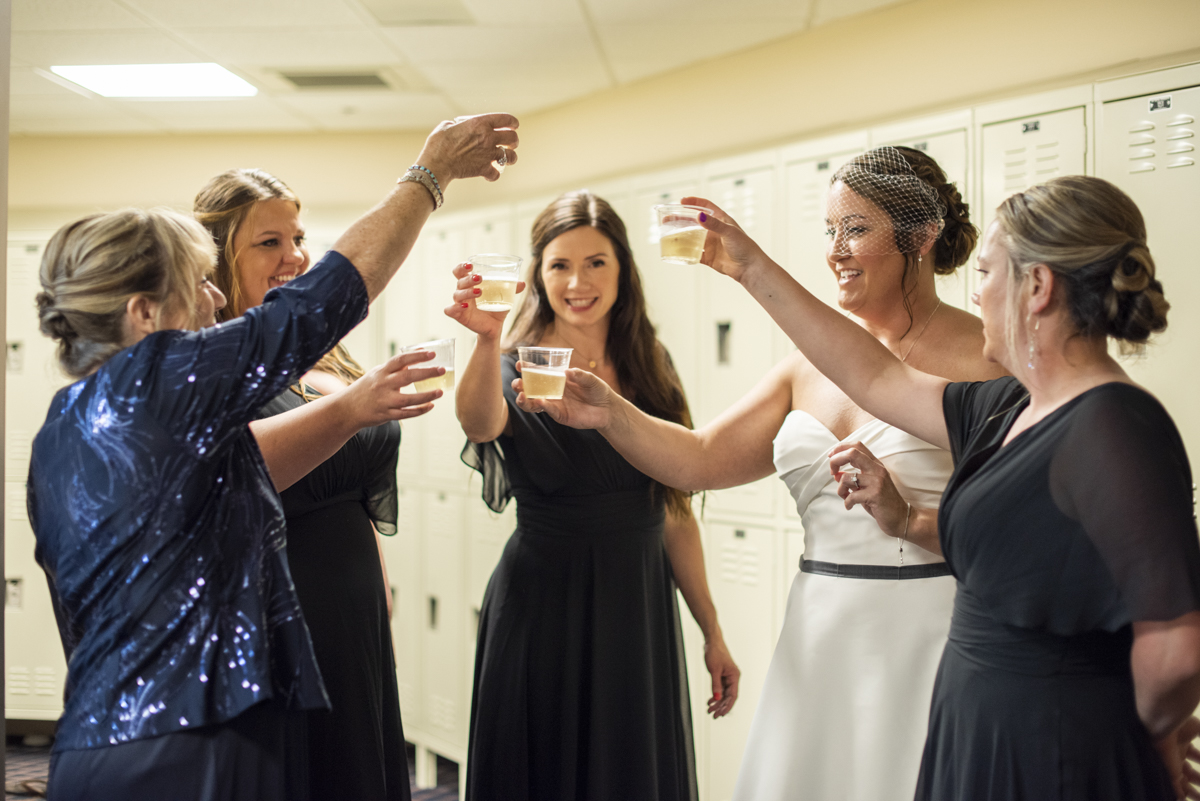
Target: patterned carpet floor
point(26, 767)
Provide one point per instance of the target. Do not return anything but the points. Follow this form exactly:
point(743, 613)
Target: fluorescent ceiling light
point(158, 80)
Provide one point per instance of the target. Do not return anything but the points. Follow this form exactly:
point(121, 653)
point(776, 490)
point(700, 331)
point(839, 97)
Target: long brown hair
point(643, 366)
point(223, 206)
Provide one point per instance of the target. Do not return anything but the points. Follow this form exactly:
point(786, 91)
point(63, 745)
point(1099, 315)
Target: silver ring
point(854, 478)
point(503, 160)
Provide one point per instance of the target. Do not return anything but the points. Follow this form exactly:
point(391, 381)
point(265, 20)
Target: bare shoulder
point(959, 352)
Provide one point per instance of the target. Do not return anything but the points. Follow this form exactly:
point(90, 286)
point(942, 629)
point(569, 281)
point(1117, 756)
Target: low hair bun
point(959, 234)
point(51, 320)
point(1135, 306)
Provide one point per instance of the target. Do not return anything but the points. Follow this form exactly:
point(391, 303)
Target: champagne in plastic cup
point(681, 237)
point(544, 371)
point(443, 350)
point(500, 273)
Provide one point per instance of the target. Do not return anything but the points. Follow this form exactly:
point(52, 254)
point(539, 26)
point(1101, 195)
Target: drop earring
point(1032, 337)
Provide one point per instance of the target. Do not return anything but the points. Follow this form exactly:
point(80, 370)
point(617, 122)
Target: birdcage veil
point(877, 205)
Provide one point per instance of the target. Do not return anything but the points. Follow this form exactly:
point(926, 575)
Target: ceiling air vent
point(339, 80)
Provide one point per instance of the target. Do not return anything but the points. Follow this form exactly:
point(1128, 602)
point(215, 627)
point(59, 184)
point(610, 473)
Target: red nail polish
point(717, 696)
point(477, 278)
point(466, 305)
point(477, 291)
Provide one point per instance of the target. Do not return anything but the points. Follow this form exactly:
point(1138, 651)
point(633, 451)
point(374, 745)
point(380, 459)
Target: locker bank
point(753, 105)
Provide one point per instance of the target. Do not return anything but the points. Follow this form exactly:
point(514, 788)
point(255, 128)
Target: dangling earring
point(1032, 336)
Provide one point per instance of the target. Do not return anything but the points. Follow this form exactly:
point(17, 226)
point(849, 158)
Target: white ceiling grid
point(517, 55)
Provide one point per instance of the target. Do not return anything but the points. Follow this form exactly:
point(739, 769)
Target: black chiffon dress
point(356, 749)
point(580, 683)
point(1060, 540)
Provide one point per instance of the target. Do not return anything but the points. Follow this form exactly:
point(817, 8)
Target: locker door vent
point(18, 681)
point(739, 563)
point(45, 681)
point(442, 712)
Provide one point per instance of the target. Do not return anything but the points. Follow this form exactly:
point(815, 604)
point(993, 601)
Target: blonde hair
point(94, 266)
point(1093, 238)
point(224, 204)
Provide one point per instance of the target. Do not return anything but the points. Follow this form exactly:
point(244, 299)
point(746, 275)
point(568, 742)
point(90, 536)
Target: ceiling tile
point(107, 47)
point(369, 110)
point(67, 15)
point(255, 14)
point(303, 48)
point(24, 81)
point(526, 12)
point(639, 50)
point(829, 10)
point(685, 13)
point(237, 114)
point(72, 114)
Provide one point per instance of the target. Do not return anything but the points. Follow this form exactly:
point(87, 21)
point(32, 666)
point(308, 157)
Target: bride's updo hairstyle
point(1093, 238)
point(94, 266)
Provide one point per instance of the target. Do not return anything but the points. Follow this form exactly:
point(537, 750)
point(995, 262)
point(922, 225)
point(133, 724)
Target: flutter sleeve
point(382, 489)
point(975, 411)
point(205, 386)
point(488, 457)
point(1123, 473)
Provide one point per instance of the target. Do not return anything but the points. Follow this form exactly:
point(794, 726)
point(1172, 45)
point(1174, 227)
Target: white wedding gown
point(845, 705)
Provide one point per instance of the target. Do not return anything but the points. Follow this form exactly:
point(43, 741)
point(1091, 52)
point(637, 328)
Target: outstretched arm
point(681, 537)
point(846, 353)
point(379, 242)
point(295, 442)
point(733, 449)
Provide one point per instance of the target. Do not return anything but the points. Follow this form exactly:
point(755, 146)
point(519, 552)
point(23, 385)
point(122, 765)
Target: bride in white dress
point(843, 713)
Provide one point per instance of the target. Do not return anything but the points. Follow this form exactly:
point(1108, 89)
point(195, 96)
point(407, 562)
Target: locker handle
point(433, 610)
point(740, 533)
point(723, 333)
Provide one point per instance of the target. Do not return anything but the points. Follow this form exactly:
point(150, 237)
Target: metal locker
point(402, 553)
point(444, 670)
point(1147, 146)
point(1017, 153)
point(743, 588)
point(672, 290)
point(736, 334)
point(35, 668)
point(947, 140)
point(807, 169)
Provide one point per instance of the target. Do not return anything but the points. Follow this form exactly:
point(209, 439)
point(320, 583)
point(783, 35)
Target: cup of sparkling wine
point(544, 371)
point(681, 237)
point(443, 356)
point(498, 288)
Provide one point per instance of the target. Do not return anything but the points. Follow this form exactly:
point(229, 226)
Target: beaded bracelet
point(428, 172)
point(418, 177)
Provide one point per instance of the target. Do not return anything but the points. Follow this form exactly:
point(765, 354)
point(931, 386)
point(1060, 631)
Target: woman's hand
point(725, 677)
point(483, 323)
point(376, 397)
point(727, 248)
point(587, 401)
point(465, 147)
point(1176, 750)
point(864, 481)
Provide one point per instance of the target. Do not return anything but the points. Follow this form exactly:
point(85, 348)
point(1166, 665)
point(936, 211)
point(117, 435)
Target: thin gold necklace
point(591, 363)
point(928, 320)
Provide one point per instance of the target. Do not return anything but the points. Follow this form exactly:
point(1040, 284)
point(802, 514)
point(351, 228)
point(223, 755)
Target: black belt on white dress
point(883, 572)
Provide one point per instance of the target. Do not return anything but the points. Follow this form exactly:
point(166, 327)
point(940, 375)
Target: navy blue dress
point(1060, 540)
point(581, 688)
point(162, 536)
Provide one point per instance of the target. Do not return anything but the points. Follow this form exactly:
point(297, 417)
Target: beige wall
point(913, 58)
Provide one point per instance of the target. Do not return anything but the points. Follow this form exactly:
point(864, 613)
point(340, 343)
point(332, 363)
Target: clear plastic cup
point(500, 274)
point(681, 237)
point(443, 356)
point(544, 371)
